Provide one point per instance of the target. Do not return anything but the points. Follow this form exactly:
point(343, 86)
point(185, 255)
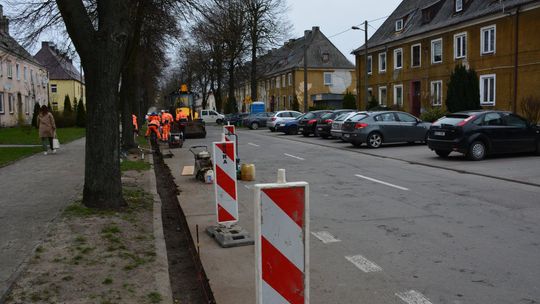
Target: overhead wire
point(369, 21)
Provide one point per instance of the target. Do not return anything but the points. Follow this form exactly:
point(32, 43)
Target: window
point(290, 78)
point(487, 90)
point(327, 78)
point(385, 117)
point(1, 68)
point(26, 105)
point(436, 51)
point(325, 57)
point(487, 40)
point(9, 69)
point(382, 62)
point(53, 88)
point(382, 96)
point(436, 93)
point(55, 106)
point(416, 56)
point(460, 45)
point(291, 104)
point(25, 74)
point(493, 119)
point(31, 76)
point(369, 64)
point(10, 103)
point(17, 71)
point(398, 94)
point(370, 92)
point(398, 58)
point(283, 84)
point(406, 117)
point(515, 121)
point(277, 82)
point(1, 102)
point(459, 5)
point(399, 25)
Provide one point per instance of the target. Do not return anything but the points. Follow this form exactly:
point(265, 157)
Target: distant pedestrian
point(47, 128)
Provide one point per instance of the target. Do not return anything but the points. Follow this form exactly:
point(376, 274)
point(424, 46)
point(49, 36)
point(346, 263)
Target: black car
point(235, 119)
point(256, 120)
point(308, 124)
point(480, 133)
point(324, 123)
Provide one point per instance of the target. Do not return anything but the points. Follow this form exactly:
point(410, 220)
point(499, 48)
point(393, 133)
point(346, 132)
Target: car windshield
point(357, 117)
point(451, 120)
point(342, 116)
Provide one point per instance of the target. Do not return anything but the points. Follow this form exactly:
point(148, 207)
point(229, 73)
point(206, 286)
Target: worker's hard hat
point(154, 113)
point(162, 111)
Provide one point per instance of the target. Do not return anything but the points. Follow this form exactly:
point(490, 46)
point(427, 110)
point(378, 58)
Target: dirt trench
point(188, 279)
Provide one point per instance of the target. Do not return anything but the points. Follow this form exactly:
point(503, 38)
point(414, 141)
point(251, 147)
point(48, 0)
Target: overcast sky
point(336, 16)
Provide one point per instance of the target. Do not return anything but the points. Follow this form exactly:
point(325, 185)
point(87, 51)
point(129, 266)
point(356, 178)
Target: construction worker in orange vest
point(135, 125)
point(153, 125)
point(166, 121)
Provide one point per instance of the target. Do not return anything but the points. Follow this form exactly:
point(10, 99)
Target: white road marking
point(413, 297)
point(381, 182)
point(247, 187)
point(254, 145)
point(289, 155)
point(325, 237)
point(364, 264)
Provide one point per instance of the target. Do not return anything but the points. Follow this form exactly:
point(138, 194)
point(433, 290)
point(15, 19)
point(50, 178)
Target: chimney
point(315, 29)
point(44, 44)
point(4, 22)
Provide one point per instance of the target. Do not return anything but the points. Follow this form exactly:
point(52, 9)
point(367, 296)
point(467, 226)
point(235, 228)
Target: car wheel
point(292, 131)
point(374, 140)
point(305, 134)
point(442, 153)
point(219, 121)
point(357, 144)
point(477, 151)
point(272, 129)
point(254, 126)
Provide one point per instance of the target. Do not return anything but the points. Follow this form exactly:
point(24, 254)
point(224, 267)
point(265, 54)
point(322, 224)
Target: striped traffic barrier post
point(282, 241)
point(227, 233)
point(229, 130)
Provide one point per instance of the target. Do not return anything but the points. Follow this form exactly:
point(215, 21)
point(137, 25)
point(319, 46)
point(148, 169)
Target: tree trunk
point(102, 183)
point(231, 87)
point(127, 99)
point(254, 71)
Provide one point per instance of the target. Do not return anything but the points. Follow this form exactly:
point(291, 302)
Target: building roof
point(321, 54)
point(59, 65)
point(414, 14)
point(9, 44)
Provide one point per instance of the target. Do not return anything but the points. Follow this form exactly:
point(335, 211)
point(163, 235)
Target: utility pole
point(365, 64)
point(366, 95)
point(305, 72)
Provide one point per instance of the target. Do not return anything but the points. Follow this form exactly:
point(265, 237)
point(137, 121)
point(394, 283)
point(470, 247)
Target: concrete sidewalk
point(33, 191)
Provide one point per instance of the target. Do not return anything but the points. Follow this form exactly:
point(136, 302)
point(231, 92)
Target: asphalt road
point(434, 233)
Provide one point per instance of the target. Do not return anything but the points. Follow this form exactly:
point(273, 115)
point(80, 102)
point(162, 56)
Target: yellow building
point(330, 75)
point(412, 55)
point(64, 78)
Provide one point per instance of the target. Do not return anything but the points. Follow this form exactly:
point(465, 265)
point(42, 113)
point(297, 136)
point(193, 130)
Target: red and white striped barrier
point(282, 241)
point(229, 132)
point(225, 183)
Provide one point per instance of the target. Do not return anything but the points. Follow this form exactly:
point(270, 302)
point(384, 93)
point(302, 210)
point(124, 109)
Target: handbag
point(56, 142)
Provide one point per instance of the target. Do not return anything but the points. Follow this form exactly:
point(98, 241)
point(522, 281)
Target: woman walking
point(47, 128)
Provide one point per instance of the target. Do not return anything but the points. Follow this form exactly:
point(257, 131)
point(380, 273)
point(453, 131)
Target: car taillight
point(312, 121)
point(465, 121)
point(274, 118)
point(360, 125)
point(328, 121)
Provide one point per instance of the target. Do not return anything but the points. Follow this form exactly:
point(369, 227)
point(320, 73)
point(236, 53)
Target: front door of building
point(415, 98)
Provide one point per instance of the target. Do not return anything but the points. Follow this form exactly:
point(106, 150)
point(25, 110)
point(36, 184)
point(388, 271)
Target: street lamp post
point(366, 95)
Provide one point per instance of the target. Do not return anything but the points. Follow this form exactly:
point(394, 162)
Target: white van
point(212, 116)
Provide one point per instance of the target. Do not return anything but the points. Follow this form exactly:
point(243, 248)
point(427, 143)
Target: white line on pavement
point(289, 155)
point(325, 237)
point(413, 297)
point(381, 182)
point(247, 187)
point(363, 264)
point(254, 145)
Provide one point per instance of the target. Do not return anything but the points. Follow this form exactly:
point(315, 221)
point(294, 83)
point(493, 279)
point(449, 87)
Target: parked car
point(308, 124)
point(289, 127)
point(480, 133)
point(376, 128)
point(212, 116)
point(235, 118)
point(256, 120)
point(324, 123)
point(281, 116)
point(335, 131)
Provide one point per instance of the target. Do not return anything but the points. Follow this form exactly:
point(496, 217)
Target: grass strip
point(9, 155)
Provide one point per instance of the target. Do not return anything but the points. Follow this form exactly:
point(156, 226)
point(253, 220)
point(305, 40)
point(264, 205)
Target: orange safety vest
point(134, 118)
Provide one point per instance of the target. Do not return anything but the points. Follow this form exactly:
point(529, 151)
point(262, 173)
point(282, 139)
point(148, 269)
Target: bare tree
point(266, 25)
